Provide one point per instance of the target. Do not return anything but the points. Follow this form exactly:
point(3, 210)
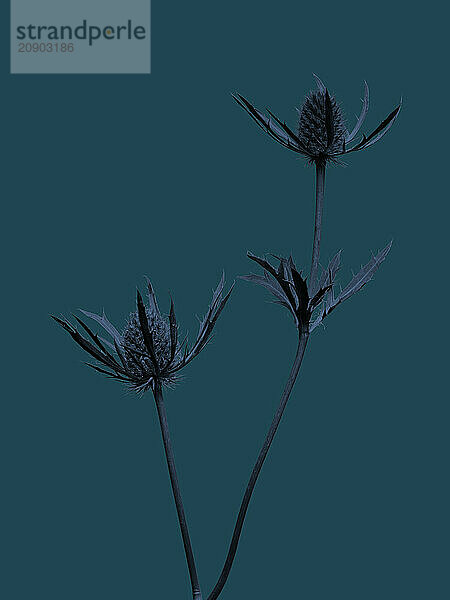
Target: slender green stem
point(196, 593)
point(320, 189)
point(303, 339)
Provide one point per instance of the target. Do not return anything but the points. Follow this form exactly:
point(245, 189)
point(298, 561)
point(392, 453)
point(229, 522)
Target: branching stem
point(303, 339)
point(320, 189)
point(196, 593)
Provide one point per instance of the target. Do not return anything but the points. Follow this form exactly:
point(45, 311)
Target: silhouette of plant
point(146, 356)
point(322, 138)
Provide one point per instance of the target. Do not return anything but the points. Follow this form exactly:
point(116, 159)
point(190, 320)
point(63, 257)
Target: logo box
point(86, 36)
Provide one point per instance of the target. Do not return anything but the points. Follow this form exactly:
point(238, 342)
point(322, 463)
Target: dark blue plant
point(148, 350)
point(321, 137)
point(146, 356)
point(321, 133)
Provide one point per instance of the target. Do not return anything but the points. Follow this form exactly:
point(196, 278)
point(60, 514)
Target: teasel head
point(321, 135)
point(148, 351)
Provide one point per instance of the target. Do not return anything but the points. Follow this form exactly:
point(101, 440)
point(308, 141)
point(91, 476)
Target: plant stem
point(303, 339)
point(196, 593)
point(320, 189)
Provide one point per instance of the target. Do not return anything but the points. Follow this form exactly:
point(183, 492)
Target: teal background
point(108, 178)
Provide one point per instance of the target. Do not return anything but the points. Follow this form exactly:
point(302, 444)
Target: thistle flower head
point(137, 358)
point(319, 115)
point(148, 350)
point(322, 135)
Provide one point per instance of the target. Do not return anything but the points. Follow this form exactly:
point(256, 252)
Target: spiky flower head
point(320, 115)
point(137, 357)
point(322, 135)
point(148, 351)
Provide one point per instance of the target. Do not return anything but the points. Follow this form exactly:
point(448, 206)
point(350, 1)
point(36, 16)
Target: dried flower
point(148, 350)
point(322, 135)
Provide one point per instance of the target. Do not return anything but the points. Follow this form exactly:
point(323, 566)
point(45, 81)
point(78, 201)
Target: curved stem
point(157, 392)
point(303, 339)
point(320, 189)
